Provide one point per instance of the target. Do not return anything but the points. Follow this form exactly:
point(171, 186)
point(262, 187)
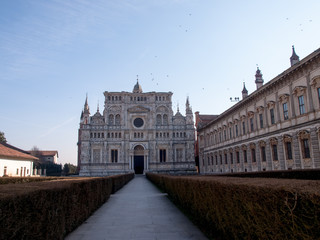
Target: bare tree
point(35, 151)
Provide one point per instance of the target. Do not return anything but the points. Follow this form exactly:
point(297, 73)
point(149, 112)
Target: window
point(224, 135)
point(230, 133)
point(288, 150)
point(158, 119)
point(163, 156)
point(236, 130)
point(111, 119)
point(272, 115)
point(253, 155)
point(238, 157)
point(306, 149)
point(114, 155)
point(263, 154)
point(301, 105)
point(245, 156)
point(251, 125)
point(216, 160)
point(243, 127)
point(220, 159)
point(5, 170)
point(231, 157)
point(117, 119)
point(165, 119)
point(138, 122)
point(318, 90)
point(226, 158)
point(275, 152)
point(285, 111)
point(261, 120)
point(17, 173)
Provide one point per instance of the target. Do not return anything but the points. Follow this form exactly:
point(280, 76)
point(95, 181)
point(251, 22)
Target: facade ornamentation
point(137, 132)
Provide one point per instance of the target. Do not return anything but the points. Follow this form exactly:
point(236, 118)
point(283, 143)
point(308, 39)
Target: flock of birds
point(300, 25)
point(167, 75)
point(186, 30)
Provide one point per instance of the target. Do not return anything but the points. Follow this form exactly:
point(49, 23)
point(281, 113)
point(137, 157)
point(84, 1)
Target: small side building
point(46, 156)
point(15, 162)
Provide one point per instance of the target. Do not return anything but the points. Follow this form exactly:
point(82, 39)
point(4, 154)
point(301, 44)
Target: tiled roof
point(12, 152)
point(207, 118)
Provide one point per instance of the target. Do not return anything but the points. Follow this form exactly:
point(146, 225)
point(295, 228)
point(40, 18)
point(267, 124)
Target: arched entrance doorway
point(138, 159)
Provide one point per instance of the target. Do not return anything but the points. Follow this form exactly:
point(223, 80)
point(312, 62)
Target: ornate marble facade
point(137, 132)
point(277, 127)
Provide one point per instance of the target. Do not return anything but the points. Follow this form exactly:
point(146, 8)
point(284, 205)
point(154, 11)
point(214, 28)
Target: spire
point(188, 108)
point(98, 106)
point(178, 107)
point(259, 79)
point(294, 58)
point(244, 91)
point(137, 88)
point(86, 106)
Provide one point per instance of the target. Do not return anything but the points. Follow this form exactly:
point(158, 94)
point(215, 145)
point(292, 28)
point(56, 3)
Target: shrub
point(51, 210)
point(242, 208)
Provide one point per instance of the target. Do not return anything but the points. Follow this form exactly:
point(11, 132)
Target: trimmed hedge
point(307, 174)
point(51, 210)
point(7, 180)
point(242, 208)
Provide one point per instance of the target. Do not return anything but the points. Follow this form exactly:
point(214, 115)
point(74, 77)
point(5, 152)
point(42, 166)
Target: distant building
point(46, 156)
point(137, 132)
point(15, 162)
point(277, 127)
point(201, 120)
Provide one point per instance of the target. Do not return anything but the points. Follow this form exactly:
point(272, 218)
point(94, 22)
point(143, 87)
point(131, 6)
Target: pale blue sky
point(54, 52)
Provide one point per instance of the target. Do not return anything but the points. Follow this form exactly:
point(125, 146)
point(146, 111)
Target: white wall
point(16, 166)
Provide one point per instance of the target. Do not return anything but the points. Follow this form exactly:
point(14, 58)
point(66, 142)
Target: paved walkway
point(137, 211)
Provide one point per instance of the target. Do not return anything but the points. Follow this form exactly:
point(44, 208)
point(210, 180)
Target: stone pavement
point(137, 211)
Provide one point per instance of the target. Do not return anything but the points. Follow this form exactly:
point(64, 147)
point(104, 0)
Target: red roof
point(11, 152)
point(207, 118)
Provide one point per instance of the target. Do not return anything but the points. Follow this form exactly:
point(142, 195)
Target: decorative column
point(296, 151)
point(258, 156)
point(131, 162)
point(281, 153)
point(268, 156)
point(315, 151)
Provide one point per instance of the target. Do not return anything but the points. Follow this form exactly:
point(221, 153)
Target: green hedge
point(242, 208)
point(51, 210)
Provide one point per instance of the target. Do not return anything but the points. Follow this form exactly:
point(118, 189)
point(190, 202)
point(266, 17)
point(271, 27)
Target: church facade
point(137, 132)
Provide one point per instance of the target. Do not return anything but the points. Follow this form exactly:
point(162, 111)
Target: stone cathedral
point(137, 132)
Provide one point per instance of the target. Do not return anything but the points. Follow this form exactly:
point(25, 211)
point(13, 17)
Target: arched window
point(158, 119)
point(118, 119)
point(111, 119)
point(165, 119)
